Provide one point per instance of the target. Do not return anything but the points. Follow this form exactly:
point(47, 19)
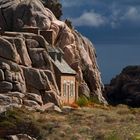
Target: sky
point(114, 28)
point(105, 21)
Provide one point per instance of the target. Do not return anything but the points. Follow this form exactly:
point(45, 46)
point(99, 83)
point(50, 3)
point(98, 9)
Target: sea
point(112, 58)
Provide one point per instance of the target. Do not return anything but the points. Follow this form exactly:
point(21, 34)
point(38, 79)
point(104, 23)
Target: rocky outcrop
point(25, 63)
point(21, 83)
point(20, 137)
point(125, 88)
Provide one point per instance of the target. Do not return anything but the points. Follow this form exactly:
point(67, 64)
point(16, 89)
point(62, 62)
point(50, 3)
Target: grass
point(86, 123)
point(82, 101)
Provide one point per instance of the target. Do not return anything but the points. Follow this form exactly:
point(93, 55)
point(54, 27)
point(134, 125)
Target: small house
point(65, 77)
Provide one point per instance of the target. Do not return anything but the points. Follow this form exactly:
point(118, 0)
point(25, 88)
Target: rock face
point(25, 65)
point(125, 88)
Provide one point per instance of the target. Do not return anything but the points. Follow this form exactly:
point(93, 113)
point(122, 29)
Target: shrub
point(83, 101)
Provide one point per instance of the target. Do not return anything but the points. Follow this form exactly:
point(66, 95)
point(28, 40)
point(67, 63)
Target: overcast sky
point(105, 21)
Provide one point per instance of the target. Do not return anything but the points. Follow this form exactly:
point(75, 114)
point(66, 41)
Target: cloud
point(132, 14)
point(113, 14)
point(90, 19)
point(121, 15)
point(76, 3)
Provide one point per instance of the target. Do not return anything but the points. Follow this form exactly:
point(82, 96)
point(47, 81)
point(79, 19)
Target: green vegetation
point(55, 6)
point(87, 123)
point(82, 101)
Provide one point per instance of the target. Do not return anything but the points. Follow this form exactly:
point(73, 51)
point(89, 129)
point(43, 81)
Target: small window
point(64, 88)
point(71, 88)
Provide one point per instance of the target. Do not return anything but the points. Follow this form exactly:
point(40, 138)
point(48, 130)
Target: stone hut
point(65, 77)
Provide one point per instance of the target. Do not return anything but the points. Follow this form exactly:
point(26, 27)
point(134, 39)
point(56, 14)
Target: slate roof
point(62, 65)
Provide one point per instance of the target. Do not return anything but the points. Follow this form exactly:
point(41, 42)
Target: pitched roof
point(62, 65)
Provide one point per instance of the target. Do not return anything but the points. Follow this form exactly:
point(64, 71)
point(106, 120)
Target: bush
point(55, 6)
point(83, 101)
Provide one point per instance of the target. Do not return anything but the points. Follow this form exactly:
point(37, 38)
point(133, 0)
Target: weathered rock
point(4, 107)
point(52, 80)
point(16, 100)
point(37, 57)
point(17, 86)
point(30, 103)
point(51, 96)
point(5, 100)
point(22, 51)
point(46, 107)
point(36, 79)
point(4, 66)
point(57, 109)
point(35, 97)
point(20, 137)
point(20, 46)
point(5, 86)
point(1, 75)
point(15, 94)
point(49, 107)
point(8, 76)
point(125, 89)
point(25, 137)
point(8, 51)
point(84, 90)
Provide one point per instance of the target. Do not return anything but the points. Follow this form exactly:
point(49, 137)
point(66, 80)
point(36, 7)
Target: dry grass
point(96, 123)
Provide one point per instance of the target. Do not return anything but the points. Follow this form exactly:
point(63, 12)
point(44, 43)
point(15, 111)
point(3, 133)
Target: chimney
point(60, 55)
point(52, 53)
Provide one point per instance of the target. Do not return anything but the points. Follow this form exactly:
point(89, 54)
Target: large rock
point(125, 88)
point(30, 49)
point(19, 87)
point(51, 96)
point(35, 97)
point(35, 79)
point(30, 103)
point(5, 100)
point(37, 57)
point(20, 45)
point(20, 137)
point(8, 75)
point(8, 51)
point(5, 86)
point(1, 75)
point(15, 94)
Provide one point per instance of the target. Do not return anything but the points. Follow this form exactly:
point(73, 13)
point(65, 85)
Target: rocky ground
point(94, 123)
